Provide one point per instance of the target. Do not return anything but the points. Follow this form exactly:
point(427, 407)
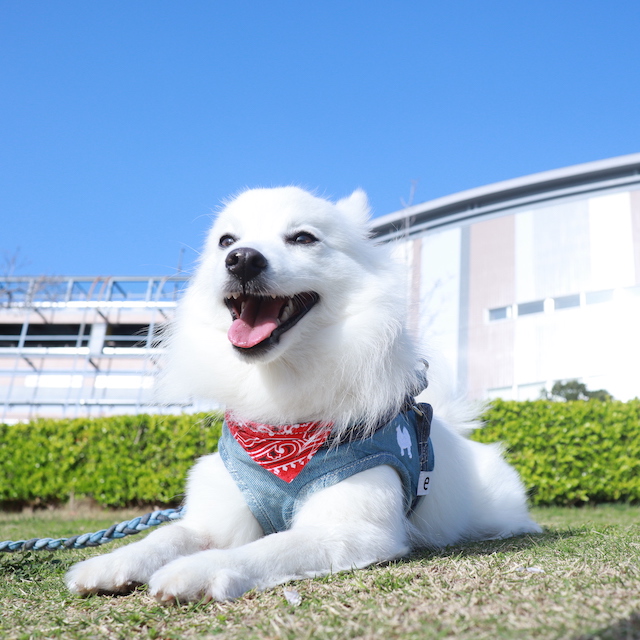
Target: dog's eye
point(226, 241)
point(302, 237)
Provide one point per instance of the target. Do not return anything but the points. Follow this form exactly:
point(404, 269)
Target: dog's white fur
point(350, 359)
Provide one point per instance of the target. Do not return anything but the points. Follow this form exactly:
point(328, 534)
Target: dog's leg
point(123, 569)
point(216, 516)
point(349, 525)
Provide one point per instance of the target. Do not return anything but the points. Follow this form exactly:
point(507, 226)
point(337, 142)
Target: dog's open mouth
point(259, 321)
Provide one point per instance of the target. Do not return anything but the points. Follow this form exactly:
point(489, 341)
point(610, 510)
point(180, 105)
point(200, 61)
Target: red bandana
point(283, 451)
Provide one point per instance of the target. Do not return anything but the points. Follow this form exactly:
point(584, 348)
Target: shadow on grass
point(627, 629)
point(33, 566)
point(30, 565)
point(547, 538)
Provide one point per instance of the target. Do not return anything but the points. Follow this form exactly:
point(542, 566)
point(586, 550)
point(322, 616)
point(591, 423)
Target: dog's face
point(293, 314)
point(280, 265)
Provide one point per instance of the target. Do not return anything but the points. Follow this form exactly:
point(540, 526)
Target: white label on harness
point(424, 482)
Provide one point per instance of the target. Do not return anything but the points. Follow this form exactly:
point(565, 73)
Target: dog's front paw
point(103, 574)
point(201, 577)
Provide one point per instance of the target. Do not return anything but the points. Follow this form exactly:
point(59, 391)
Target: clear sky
point(123, 123)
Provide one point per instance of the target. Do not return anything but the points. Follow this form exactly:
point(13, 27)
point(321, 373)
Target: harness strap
point(424, 412)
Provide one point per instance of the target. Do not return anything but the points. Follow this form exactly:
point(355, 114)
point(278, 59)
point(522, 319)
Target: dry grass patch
point(579, 579)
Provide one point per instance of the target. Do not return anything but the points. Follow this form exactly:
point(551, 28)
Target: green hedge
point(567, 453)
point(570, 453)
point(118, 461)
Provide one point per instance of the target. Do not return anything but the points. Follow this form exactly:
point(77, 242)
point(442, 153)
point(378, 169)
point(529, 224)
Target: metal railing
point(39, 291)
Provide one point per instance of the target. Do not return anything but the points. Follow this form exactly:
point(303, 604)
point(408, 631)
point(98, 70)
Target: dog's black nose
point(245, 263)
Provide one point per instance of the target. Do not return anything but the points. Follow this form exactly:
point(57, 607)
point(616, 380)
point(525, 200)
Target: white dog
point(294, 321)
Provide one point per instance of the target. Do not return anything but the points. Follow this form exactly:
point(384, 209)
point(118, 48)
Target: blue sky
point(123, 124)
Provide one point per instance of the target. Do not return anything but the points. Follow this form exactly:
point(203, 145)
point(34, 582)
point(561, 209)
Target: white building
point(519, 284)
point(530, 281)
point(73, 347)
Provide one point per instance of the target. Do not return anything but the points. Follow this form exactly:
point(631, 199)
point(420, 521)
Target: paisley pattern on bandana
point(281, 450)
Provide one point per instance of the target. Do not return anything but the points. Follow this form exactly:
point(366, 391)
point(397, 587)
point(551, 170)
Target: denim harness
point(403, 444)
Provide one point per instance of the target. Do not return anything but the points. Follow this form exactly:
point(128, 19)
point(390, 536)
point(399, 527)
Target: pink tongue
point(256, 323)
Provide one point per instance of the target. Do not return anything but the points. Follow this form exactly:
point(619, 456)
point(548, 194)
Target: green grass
point(579, 579)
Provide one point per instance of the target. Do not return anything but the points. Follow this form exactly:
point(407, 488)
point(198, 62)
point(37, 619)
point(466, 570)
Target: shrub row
point(567, 453)
point(570, 453)
point(118, 461)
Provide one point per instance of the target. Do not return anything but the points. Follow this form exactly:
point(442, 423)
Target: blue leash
point(84, 540)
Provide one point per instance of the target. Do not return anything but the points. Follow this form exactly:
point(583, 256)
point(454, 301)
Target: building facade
point(74, 347)
point(518, 284)
point(530, 281)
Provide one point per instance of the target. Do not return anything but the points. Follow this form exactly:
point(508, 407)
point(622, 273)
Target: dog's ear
point(356, 206)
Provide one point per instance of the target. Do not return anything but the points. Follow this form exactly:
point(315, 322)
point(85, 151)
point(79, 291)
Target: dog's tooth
point(287, 311)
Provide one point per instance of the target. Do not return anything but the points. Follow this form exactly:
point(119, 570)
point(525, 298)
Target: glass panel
point(499, 313)
point(10, 335)
point(525, 308)
point(596, 297)
point(566, 302)
point(57, 335)
point(126, 335)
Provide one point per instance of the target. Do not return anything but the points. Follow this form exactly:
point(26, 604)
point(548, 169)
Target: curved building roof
point(526, 191)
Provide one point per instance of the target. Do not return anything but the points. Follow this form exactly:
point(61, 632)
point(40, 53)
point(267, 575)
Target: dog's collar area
point(283, 450)
point(258, 321)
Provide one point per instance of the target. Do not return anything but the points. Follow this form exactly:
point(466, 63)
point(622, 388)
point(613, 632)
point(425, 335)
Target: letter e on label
point(425, 479)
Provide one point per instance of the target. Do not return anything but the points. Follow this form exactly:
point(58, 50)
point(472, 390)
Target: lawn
point(579, 579)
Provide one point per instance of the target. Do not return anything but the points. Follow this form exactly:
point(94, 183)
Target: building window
point(530, 391)
point(10, 335)
point(57, 335)
point(596, 297)
point(499, 313)
point(127, 335)
point(566, 302)
point(526, 308)
point(505, 393)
